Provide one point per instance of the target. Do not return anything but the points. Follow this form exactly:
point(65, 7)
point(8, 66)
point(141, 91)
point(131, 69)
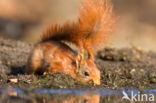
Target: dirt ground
point(127, 67)
point(119, 68)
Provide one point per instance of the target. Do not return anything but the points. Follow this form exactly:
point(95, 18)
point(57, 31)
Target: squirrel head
point(88, 72)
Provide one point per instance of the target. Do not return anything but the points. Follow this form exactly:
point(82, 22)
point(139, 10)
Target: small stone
point(132, 71)
point(13, 80)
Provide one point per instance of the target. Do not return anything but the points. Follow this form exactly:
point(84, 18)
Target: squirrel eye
point(86, 73)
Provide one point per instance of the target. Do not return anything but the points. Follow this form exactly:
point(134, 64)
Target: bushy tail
point(95, 21)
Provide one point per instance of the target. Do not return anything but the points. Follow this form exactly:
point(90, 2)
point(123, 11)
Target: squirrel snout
point(97, 82)
point(97, 79)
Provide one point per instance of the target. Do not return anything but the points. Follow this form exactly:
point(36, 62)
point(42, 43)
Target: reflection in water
point(77, 99)
point(14, 95)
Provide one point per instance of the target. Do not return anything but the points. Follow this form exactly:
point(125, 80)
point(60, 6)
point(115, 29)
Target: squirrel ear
point(77, 64)
point(79, 61)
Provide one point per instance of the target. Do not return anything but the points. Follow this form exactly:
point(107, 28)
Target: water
point(99, 95)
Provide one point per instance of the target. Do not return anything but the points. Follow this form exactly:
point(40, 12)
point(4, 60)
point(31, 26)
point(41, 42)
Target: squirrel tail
point(94, 22)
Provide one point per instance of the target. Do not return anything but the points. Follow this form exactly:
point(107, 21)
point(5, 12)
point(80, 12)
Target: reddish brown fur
point(78, 99)
point(52, 56)
point(90, 31)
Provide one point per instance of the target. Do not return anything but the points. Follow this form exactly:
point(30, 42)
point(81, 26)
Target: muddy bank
point(119, 68)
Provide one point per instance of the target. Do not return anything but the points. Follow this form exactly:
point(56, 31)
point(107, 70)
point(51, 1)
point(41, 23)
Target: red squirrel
point(82, 98)
point(88, 32)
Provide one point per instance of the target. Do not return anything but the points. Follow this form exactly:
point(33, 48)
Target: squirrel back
point(95, 21)
point(54, 56)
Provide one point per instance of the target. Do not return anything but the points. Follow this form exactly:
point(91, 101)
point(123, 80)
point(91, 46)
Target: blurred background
point(26, 19)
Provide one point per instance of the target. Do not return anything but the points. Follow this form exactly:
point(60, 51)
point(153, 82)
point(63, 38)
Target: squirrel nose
point(97, 82)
